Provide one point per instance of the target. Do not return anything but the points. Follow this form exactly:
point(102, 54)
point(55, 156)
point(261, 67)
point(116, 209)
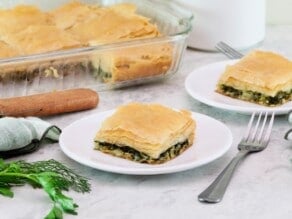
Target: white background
point(279, 11)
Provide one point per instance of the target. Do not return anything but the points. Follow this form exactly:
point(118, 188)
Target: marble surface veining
point(261, 186)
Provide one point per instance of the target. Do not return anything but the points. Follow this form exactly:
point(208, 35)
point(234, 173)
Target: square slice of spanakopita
point(146, 133)
point(260, 77)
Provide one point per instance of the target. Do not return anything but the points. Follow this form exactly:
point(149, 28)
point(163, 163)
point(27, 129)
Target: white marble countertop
point(261, 186)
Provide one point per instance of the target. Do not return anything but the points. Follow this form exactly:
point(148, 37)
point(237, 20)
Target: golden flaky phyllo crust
point(74, 21)
point(150, 129)
point(39, 39)
point(27, 30)
point(260, 77)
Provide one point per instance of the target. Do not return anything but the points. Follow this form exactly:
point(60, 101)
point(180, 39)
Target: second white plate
point(212, 140)
point(201, 85)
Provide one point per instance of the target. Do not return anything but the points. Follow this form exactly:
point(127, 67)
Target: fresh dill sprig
point(52, 176)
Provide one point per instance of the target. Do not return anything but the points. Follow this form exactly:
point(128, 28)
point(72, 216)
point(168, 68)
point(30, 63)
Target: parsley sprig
point(52, 176)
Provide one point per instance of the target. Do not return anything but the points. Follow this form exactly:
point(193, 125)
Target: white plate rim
point(163, 169)
point(284, 109)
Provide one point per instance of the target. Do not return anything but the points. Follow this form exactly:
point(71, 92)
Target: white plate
point(201, 84)
point(212, 140)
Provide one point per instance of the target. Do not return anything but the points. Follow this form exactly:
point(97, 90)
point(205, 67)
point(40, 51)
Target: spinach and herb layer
point(132, 154)
point(103, 75)
point(256, 97)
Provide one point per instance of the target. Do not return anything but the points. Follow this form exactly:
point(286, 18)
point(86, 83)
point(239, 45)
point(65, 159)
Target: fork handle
point(214, 193)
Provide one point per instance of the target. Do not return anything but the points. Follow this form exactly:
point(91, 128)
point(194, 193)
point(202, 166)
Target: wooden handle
point(48, 104)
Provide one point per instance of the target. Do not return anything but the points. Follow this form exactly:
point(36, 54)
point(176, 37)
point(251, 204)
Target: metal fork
point(255, 139)
point(228, 51)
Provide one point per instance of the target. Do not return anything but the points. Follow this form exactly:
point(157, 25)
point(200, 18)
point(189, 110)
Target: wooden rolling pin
point(47, 104)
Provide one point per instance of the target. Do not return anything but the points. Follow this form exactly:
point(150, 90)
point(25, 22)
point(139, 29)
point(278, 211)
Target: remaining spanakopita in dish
point(27, 30)
point(133, 63)
point(260, 77)
point(146, 133)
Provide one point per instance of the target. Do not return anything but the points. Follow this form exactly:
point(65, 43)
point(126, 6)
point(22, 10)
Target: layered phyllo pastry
point(36, 39)
point(133, 63)
point(27, 30)
point(146, 133)
point(41, 38)
point(7, 51)
point(112, 24)
point(20, 17)
point(260, 77)
point(68, 15)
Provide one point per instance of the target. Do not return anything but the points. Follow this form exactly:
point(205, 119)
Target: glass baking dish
point(105, 66)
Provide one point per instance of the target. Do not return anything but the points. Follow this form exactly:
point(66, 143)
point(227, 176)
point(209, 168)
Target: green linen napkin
point(24, 135)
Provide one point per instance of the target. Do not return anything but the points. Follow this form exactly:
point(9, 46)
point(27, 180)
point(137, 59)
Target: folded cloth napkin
point(24, 135)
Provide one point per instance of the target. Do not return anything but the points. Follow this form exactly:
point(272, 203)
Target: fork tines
point(228, 51)
point(259, 129)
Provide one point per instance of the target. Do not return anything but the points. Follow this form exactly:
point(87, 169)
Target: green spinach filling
point(132, 154)
point(280, 98)
point(104, 75)
point(99, 73)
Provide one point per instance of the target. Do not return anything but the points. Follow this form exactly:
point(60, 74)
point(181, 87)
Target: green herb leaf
point(48, 184)
point(6, 191)
point(52, 176)
point(55, 213)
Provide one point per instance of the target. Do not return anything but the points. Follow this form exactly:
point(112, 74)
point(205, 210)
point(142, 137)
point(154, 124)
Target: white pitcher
point(240, 23)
